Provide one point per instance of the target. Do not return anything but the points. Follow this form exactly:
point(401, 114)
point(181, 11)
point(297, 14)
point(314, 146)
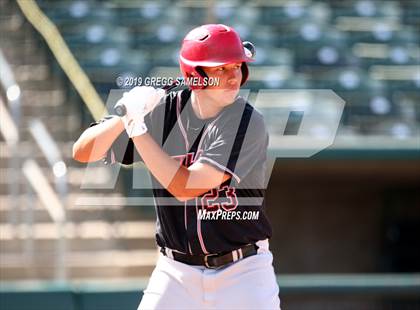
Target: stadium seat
point(408, 104)
point(397, 77)
point(130, 14)
point(277, 13)
point(382, 34)
point(366, 8)
point(411, 13)
point(357, 89)
point(246, 13)
point(370, 54)
point(167, 56)
point(158, 37)
point(65, 13)
point(266, 56)
point(92, 34)
point(275, 77)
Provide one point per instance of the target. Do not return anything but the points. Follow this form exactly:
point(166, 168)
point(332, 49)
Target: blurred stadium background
point(346, 221)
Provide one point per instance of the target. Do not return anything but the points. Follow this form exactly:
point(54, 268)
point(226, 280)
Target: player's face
point(229, 77)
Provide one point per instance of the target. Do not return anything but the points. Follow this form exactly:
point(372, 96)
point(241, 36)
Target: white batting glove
point(138, 102)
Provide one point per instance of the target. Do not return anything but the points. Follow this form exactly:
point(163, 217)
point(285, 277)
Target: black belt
point(213, 261)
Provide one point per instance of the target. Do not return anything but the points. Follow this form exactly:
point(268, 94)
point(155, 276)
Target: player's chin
point(228, 96)
point(223, 96)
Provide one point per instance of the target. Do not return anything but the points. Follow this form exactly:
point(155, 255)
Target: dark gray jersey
point(235, 141)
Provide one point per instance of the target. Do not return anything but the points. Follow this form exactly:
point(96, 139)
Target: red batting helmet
point(210, 46)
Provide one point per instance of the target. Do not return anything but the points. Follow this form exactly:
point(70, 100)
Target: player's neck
point(204, 107)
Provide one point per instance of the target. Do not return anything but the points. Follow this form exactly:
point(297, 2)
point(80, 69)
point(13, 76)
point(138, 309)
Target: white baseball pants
point(246, 284)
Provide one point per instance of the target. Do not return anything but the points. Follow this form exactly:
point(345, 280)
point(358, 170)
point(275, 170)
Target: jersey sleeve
point(122, 150)
point(238, 151)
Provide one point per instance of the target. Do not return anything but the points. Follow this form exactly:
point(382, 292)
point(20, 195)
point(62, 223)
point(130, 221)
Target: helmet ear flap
point(201, 72)
point(195, 73)
point(245, 73)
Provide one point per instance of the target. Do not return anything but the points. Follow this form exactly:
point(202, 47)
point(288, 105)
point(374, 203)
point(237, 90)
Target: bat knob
point(249, 48)
point(120, 110)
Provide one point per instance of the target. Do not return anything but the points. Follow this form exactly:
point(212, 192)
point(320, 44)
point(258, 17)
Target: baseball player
point(205, 147)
